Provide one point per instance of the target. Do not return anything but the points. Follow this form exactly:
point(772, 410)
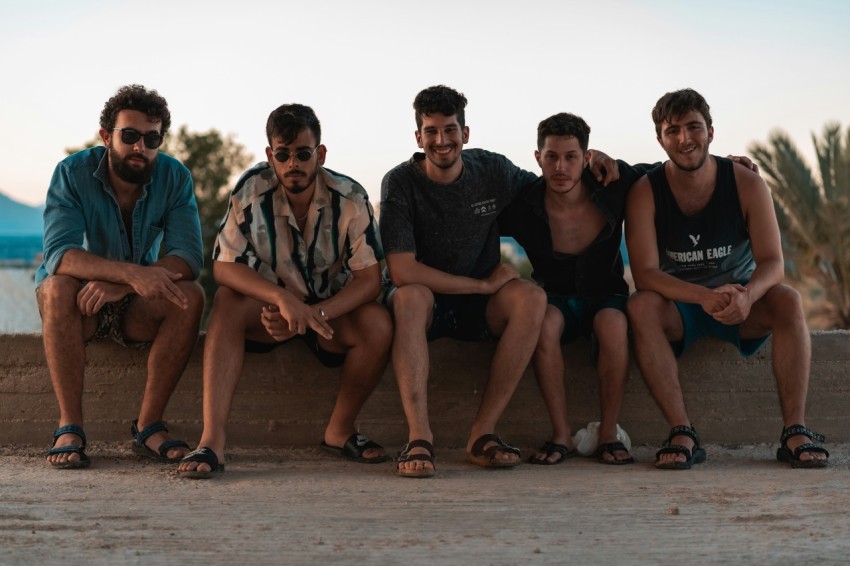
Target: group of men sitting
point(299, 252)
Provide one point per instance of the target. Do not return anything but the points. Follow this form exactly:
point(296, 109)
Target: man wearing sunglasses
point(122, 248)
point(297, 256)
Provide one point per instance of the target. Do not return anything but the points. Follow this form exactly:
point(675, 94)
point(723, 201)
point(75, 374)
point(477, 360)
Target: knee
point(551, 330)
point(195, 295)
point(611, 325)
point(57, 293)
point(786, 305)
point(527, 300)
point(412, 302)
point(643, 307)
point(377, 327)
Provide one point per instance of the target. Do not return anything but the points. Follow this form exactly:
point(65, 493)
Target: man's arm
point(643, 255)
point(757, 206)
point(405, 270)
point(297, 313)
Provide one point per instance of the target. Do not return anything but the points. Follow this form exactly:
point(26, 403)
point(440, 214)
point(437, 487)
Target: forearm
point(767, 275)
point(407, 272)
point(248, 282)
point(86, 266)
point(177, 265)
point(670, 287)
point(363, 288)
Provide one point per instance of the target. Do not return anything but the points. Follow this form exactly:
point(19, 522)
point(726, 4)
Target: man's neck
point(555, 201)
point(696, 180)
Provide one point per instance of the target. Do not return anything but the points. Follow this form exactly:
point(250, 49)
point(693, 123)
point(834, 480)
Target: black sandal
point(784, 454)
point(142, 449)
point(202, 455)
point(406, 456)
point(696, 455)
point(83, 462)
point(486, 458)
point(550, 448)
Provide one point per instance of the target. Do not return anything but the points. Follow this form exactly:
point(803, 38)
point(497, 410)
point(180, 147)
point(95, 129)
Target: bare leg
point(611, 329)
point(413, 309)
point(515, 312)
point(233, 318)
point(65, 330)
point(365, 334)
point(655, 321)
point(548, 361)
point(173, 332)
point(780, 311)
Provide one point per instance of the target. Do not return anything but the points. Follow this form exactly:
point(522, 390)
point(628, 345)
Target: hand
point(498, 277)
point(740, 303)
point(713, 302)
point(745, 161)
point(154, 282)
point(603, 167)
point(290, 317)
point(95, 294)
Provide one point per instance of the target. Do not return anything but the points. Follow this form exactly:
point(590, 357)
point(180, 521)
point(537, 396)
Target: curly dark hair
point(442, 99)
point(564, 124)
point(678, 103)
point(288, 120)
point(136, 97)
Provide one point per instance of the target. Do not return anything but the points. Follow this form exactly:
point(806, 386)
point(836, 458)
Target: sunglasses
point(284, 155)
point(130, 136)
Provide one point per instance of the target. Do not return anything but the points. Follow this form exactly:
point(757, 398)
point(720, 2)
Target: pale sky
point(226, 65)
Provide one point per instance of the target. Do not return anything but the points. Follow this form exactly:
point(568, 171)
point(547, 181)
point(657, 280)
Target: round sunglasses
point(130, 136)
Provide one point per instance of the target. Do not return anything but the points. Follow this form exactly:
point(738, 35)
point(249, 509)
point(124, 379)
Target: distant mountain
point(18, 219)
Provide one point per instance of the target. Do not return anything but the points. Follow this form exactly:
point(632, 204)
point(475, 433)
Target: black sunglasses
point(301, 155)
point(130, 136)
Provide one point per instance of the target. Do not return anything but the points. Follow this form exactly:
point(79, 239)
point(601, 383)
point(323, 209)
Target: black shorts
point(462, 317)
point(328, 359)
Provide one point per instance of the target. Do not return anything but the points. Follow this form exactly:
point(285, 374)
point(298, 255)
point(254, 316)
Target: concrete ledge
point(285, 397)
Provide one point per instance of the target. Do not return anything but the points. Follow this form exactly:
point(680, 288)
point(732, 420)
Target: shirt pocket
point(153, 240)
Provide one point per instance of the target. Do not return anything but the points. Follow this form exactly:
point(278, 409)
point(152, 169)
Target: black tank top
point(709, 248)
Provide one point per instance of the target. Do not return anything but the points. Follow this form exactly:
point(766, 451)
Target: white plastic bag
point(587, 439)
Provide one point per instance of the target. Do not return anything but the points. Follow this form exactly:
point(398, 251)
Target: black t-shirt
point(450, 227)
point(593, 274)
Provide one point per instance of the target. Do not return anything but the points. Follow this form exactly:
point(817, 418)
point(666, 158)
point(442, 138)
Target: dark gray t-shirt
point(450, 227)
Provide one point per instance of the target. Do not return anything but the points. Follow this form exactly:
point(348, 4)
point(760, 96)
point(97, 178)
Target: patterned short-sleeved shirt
point(340, 236)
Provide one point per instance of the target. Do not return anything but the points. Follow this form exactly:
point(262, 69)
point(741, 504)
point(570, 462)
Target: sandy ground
point(293, 507)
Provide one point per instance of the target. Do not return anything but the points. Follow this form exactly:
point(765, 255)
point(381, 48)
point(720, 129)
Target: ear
point(321, 151)
point(465, 134)
point(269, 154)
point(586, 159)
point(418, 139)
point(658, 139)
point(711, 134)
point(104, 136)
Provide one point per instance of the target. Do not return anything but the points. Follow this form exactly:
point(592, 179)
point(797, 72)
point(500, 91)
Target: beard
point(130, 173)
point(687, 167)
point(297, 184)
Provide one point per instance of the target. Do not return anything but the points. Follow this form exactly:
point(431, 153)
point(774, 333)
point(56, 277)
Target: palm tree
point(814, 214)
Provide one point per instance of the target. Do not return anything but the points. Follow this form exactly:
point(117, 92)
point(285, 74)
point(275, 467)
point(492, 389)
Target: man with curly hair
point(297, 257)
point(122, 250)
point(439, 229)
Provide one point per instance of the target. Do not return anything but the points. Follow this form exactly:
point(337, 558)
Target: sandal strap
point(683, 430)
point(550, 448)
point(797, 430)
point(809, 447)
point(147, 432)
point(501, 445)
point(405, 455)
point(70, 429)
point(612, 447)
point(674, 449)
point(202, 455)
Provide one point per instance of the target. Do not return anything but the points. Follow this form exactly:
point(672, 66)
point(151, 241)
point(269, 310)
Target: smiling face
point(131, 163)
point(562, 162)
point(442, 138)
point(296, 176)
point(685, 139)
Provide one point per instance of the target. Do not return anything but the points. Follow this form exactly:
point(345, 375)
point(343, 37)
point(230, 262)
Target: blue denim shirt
point(82, 213)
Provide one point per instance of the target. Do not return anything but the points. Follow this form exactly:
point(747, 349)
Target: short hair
point(678, 103)
point(136, 97)
point(288, 120)
point(564, 124)
point(442, 99)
